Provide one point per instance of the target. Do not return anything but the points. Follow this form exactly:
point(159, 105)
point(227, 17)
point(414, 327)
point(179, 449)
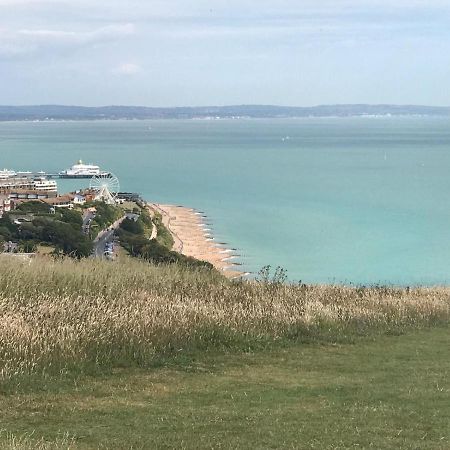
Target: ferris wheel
point(106, 187)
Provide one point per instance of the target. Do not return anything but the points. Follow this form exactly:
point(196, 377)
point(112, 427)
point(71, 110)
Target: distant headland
point(61, 112)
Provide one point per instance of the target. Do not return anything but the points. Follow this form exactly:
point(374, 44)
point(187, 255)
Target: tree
point(5, 233)
point(27, 246)
point(35, 207)
point(71, 217)
point(132, 226)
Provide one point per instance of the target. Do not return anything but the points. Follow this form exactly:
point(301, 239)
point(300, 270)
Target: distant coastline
point(74, 113)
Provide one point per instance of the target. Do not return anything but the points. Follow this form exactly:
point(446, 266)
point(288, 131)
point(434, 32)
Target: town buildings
point(5, 204)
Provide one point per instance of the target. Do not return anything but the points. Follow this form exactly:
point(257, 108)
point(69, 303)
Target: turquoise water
point(362, 200)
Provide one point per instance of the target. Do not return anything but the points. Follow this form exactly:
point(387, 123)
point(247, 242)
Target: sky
point(224, 52)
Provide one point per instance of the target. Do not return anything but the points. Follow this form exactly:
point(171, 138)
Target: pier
point(49, 175)
point(28, 175)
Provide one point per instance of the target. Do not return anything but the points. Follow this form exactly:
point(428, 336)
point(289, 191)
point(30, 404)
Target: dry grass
point(27, 442)
point(58, 316)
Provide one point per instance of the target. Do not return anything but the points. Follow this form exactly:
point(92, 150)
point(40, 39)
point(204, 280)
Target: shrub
point(71, 217)
point(132, 226)
point(133, 240)
point(163, 237)
point(106, 214)
point(33, 207)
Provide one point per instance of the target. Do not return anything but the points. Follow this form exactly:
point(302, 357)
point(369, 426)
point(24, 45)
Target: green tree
point(5, 233)
point(27, 246)
point(33, 207)
point(71, 217)
point(132, 226)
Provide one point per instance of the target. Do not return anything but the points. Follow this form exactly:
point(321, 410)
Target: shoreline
point(193, 237)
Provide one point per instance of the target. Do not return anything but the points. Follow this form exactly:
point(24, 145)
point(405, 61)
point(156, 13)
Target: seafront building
point(62, 201)
point(30, 194)
point(9, 200)
point(17, 187)
point(5, 204)
point(20, 187)
point(38, 184)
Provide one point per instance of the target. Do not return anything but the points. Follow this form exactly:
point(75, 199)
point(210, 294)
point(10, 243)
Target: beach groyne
point(192, 237)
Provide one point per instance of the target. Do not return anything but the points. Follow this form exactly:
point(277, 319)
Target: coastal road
point(100, 244)
point(105, 237)
point(88, 216)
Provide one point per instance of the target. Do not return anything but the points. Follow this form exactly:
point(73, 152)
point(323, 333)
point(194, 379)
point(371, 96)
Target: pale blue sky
point(217, 52)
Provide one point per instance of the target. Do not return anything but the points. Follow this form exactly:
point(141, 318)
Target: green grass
point(390, 392)
point(163, 237)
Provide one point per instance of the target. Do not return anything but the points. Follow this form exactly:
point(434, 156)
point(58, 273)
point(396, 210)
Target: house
point(10, 247)
point(88, 194)
point(129, 197)
point(89, 197)
point(5, 204)
point(79, 199)
point(62, 201)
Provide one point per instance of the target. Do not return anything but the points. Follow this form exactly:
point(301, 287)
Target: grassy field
point(129, 355)
point(388, 393)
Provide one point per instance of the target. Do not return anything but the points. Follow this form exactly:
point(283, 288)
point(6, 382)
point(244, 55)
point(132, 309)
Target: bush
point(7, 227)
point(132, 226)
point(146, 219)
point(139, 246)
point(62, 229)
point(6, 234)
point(27, 246)
point(159, 254)
point(67, 239)
point(33, 207)
point(163, 237)
point(71, 217)
point(106, 215)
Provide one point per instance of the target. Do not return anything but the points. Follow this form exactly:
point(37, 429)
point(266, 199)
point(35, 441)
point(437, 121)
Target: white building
point(79, 199)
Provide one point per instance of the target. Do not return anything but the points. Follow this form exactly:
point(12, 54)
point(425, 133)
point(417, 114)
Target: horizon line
point(415, 105)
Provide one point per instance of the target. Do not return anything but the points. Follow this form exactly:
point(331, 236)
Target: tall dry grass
point(26, 442)
point(57, 316)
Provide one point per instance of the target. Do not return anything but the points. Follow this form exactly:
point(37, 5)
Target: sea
point(330, 200)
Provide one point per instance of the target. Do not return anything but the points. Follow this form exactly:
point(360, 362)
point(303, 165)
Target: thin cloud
point(259, 51)
point(26, 41)
point(184, 10)
point(128, 69)
point(104, 33)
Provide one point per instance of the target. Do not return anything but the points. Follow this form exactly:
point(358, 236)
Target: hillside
point(62, 112)
point(123, 354)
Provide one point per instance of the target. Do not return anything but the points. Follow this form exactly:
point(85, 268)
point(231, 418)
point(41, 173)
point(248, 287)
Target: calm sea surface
point(362, 200)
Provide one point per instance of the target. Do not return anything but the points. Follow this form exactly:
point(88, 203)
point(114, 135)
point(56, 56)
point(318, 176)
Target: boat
point(5, 173)
point(81, 170)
